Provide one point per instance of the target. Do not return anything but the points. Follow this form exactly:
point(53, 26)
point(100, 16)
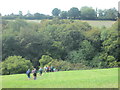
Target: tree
point(56, 12)
point(39, 16)
point(45, 60)
point(34, 43)
point(109, 48)
point(64, 15)
point(110, 42)
point(111, 14)
point(71, 40)
point(68, 40)
point(108, 14)
point(88, 13)
point(20, 13)
point(101, 14)
point(85, 53)
point(74, 13)
point(10, 45)
point(29, 15)
point(15, 65)
point(111, 61)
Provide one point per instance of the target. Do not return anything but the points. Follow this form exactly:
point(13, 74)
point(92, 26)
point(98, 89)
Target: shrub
point(15, 65)
point(45, 60)
point(65, 66)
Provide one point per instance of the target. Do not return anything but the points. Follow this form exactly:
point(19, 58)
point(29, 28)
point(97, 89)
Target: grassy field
point(99, 78)
point(94, 23)
point(100, 23)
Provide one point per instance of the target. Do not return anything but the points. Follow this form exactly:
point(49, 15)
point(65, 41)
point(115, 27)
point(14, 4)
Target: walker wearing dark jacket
point(34, 71)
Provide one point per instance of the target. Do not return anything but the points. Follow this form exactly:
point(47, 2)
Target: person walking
point(28, 73)
point(34, 71)
point(51, 69)
point(40, 70)
point(46, 69)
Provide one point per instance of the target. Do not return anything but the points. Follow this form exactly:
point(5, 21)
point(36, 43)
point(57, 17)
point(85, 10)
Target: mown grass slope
point(99, 78)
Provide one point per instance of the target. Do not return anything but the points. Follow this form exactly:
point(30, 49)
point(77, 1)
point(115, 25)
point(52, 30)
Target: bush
point(15, 65)
point(112, 62)
point(65, 66)
point(45, 60)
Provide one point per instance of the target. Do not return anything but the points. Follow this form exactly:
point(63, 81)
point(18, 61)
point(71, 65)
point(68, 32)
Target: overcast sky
point(46, 6)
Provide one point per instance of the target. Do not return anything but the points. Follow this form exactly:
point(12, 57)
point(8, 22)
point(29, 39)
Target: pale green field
point(94, 23)
point(100, 23)
point(36, 21)
point(99, 78)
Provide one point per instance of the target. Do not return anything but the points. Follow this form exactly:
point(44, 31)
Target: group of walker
point(34, 71)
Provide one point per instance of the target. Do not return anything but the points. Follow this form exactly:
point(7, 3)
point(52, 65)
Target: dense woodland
point(84, 13)
point(64, 44)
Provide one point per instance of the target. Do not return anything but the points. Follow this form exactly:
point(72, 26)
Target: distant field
point(99, 78)
point(100, 23)
point(94, 23)
point(37, 21)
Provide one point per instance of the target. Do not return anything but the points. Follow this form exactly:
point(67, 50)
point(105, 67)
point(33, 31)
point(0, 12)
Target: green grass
point(100, 23)
point(94, 23)
point(99, 78)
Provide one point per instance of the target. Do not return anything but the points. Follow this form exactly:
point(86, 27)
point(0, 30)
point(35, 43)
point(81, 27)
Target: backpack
point(28, 72)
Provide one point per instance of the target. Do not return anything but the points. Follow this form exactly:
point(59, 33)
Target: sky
point(46, 6)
